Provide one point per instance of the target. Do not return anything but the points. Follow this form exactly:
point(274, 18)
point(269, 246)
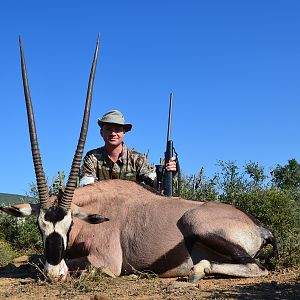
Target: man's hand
point(171, 165)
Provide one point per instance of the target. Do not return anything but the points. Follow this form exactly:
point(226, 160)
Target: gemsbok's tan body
point(166, 235)
point(141, 230)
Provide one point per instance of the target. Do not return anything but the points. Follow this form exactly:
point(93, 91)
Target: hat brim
point(127, 127)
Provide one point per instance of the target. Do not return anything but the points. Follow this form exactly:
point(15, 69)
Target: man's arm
point(144, 172)
point(147, 174)
point(88, 170)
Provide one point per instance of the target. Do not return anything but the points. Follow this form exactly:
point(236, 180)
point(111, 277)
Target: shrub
point(279, 211)
point(197, 187)
point(20, 233)
point(7, 254)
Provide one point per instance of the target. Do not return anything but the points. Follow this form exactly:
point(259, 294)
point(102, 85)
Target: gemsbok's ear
point(21, 210)
point(92, 219)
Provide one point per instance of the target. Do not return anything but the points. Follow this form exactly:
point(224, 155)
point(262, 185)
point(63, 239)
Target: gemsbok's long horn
point(73, 177)
point(37, 161)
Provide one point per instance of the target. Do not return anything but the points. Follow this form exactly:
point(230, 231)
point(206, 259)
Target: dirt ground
point(24, 282)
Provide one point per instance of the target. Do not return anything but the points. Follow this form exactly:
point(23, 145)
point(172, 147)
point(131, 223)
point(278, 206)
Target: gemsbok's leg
point(204, 267)
point(223, 240)
point(83, 263)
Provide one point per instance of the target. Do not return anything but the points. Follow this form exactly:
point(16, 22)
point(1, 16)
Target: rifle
point(168, 177)
point(162, 173)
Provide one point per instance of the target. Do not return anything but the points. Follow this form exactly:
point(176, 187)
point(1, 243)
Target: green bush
point(7, 254)
point(197, 187)
point(20, 233)
point(279, 211)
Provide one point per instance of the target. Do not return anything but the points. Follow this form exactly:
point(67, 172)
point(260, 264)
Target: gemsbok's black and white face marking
point(55, 224)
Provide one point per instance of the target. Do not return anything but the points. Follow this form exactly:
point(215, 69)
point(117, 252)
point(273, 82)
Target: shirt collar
point(122, 156)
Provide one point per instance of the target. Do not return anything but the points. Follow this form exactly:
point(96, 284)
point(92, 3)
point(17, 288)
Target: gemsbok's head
point(55, 221)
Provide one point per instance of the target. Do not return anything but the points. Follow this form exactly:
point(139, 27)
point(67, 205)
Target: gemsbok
point(141, 229)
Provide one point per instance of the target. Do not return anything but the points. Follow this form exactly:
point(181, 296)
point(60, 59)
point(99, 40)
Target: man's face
point(112, 134)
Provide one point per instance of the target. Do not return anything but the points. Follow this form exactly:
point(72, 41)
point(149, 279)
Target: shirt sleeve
point(89, 167)
point(145, 173)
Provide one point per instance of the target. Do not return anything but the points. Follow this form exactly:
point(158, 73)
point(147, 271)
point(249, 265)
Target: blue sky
point(233, 68)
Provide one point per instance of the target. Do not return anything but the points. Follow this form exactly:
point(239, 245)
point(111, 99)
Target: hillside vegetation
point(13, 198)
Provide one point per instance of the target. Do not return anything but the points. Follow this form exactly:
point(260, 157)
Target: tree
point(287, 176)
point(256, 174)
point(58, 183)
point(231, 182)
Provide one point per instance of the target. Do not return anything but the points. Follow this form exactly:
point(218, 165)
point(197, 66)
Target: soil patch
point(23, 282)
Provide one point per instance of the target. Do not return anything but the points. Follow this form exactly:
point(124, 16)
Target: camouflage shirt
point(131, 165)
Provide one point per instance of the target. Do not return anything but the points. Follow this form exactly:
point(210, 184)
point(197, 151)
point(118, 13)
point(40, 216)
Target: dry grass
point(25, 282)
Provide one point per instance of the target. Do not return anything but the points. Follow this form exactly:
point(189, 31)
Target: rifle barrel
point(170, 117)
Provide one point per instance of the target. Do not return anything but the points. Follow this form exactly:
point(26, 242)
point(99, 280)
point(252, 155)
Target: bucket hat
point(114, 117)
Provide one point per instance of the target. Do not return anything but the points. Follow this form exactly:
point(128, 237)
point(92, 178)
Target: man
point(114, 159)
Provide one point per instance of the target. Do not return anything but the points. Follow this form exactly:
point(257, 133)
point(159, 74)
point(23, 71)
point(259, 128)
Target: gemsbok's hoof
point(199, 271)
